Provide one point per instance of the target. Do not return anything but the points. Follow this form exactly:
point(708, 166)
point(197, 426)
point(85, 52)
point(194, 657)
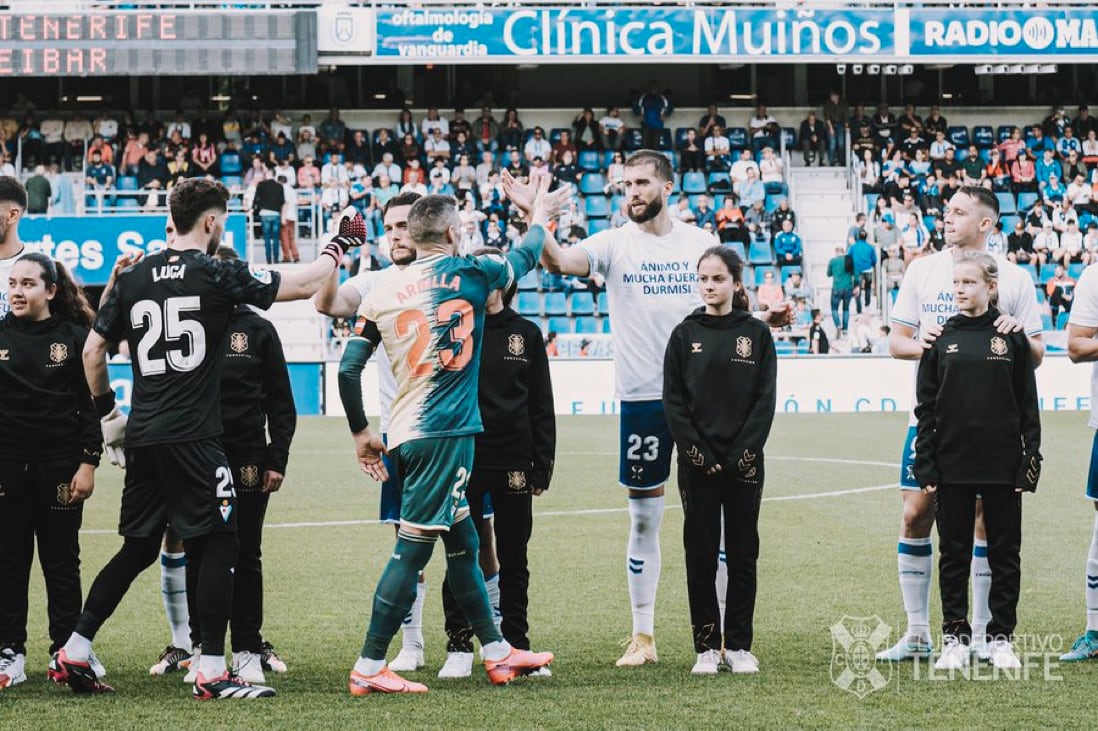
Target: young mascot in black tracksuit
point(513, 463)
point(50, 441)
point(979, 431)
point(718, 393)
point(256, 399)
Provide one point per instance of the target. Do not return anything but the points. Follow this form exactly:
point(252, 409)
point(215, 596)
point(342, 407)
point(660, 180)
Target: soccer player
point(430, 316)
point(173, 308)
point(648, 265)
point(923, 305)
point(513, 462)
point(343, 300)
point(1083, 348)
point(255, 399)
point(13, 204)
point(50, 443)
point(979, 432)
point(719, 381)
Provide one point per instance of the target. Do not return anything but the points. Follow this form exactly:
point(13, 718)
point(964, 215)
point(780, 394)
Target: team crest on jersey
point(5, 354)
point(516, 344)
point(64, 493)
point(743, 346)
point(998, 346)
point(249, 475)
point(238, 342)
point(516, 481)
point(695, 347)
point(59, 352)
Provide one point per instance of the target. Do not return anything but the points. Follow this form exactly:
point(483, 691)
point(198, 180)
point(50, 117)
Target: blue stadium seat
point(737, 137)
point(529, 281)
point(127, 203)
point(737, 246)
point(694, 200)
point(1002, 133)
point(607, 158)
point(789, 138)
point(596, 225)
point(958, 135)
point(983, 136)
point(790, 269)
point(1032, 269)
point(529, 303)
point(587, 325)
point(582, 303)
point(1008, 222)
point(680, 136)
point(606, 325)
point(604, 304)
point(1006, 203)
point(596, 206)
point(693, 183)
point(666, 142)
point(1041, 296)
point(783, 347)
point(871, 200)
point(720, 181)
point(127, 182)
point(554, 134)
point(1046, 321)
point(592, 184)
point(633, 140)
point(231, 163)
point(232, 181)
point(1026, 199)
point(760, 253)
point(1076, 270)
point(676, 183)
point(589, 161)
point(616, 202)
point(377, 132)
point(1062, 320)
point(561, 324)
point(555, 304)
point(772, 202)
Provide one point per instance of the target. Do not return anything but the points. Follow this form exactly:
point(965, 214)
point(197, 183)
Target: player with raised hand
point(649, 268)
point(173, 309)
point(430, 315)
point(49, 449)
point(923, 305)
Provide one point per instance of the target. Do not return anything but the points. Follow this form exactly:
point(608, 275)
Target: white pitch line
point(546, 513)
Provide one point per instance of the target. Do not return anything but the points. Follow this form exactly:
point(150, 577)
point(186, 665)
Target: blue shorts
point(389, 511)
point(645, 446)
point(1092, 477)
point(907, 463)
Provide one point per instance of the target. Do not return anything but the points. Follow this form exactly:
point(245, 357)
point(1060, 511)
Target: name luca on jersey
point(169, 271)
point(434, 281)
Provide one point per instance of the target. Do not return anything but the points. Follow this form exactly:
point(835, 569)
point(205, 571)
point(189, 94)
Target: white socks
point(78, 648)
point(915, 561)
point(722, 576)
point(211, 666)
point(173, 585)
point(368, 667)
point(1092, 580)
point(412, 636)
point(981, 588)
point(496, 650)
point(492, 584)
point(643, 561)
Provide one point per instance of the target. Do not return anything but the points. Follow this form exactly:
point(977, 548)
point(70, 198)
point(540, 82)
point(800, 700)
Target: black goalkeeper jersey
point(173, 309)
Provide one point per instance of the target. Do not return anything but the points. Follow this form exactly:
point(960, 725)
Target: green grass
point(821, 559)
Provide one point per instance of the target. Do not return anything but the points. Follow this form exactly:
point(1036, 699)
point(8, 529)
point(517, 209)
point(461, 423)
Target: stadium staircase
point(825, 209)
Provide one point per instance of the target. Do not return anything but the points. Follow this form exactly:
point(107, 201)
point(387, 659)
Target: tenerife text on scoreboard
point(546, 34)
point(128, 42)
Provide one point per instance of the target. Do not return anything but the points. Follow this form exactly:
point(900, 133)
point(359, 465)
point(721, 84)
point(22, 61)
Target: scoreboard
point(136, 43)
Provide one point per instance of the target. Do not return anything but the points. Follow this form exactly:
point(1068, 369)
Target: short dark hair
point(191, 197)
point(12, 191)
point(407, 198)
point(509, 293)
point(982, 196)
point(657, 160)
point(431, 217)
point(226, 253)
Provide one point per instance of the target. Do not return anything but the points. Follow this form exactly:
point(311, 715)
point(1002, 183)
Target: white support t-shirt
point(363, 282)
point(5, 270)
point(652, 284)
point(926, 295)
point(1084, 313)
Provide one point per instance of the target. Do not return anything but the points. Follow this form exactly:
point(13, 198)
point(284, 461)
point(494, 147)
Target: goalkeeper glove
point(351, 234)
point(114, 437)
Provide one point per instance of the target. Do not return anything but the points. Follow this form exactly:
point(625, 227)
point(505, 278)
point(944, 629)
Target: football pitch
point(829, 525)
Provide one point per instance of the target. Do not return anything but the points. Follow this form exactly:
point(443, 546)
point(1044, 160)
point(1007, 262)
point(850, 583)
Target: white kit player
point(1083, 348)
point(924, 303)
point(650, 268)
point(13, 204)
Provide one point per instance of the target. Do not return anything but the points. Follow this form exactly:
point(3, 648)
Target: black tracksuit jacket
point(979, 420)
point(719, 383)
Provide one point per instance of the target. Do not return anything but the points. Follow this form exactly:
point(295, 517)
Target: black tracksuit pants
point(514, 521)
point(704, 499)
point(956, 511)
point(34, 503)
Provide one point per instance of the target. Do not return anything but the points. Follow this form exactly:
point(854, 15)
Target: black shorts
point(247, 469)
point(188, 485)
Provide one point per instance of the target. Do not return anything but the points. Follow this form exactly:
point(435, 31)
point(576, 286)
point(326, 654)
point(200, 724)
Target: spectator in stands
point(106, 152)
point(682, 211)
point(281, 149)
point(410, 149)
point(1023, 174)
point(855, 229)
point(201, 125)
point(1072, 250)
point(485, 167)
point(7, 168)
point(38, 191)
point(587, 132)
point(484, 131)
point(718, 151)
point(333, 199)
point(885, 235)
point(940, 146)
point(32, 141)
point(281, 124)
point(839, 269)
point(1090, 242)
point(691, 155)
point(437, 147)
point(836, 116)
point(269, 200)
point(1079, 193)
point(996, 171)
point(1062, 214)
point(1045, 244)
point(179, 168)
point(653, 107)
point(179, 125)
point(935, 121)
point(912, 143)
point(1072, 166)
point(1053, 191)
point(914, 237)
point(892, 266)
point(406, 126)
point(1011, 146)
point(358, 150)
point(516, 165)
point(771, 171)
point(537, 146)
point(796, 288)
point(858, 118)
point(231, 130)
point(869, 172)
point(731, 225)
point(909, 120)
point(1045, 167)
point(813, 137)
point(567, 172)
point(996, 240)
point(495, 236)
point(306, 145)
point(459, 125)
point(788, 248)
point(1020, 244)
point(709, 121)
point(936, 242)
point(770, 294)
point(284, 169)
point(176, 143)
point(464, 176)
point(461, 146)
point(865, 141)
point(703, 213)
point(1036, 217)
point(152, 127)
point(893, 167)
point(308, 175)
point(818, 343)
point(1061, 291)
point(972, 169)
point(434, 121)
point(563, 145)
point(1038, 142)
point(746, 161)
point(885, 126)
point(750, 189)
point(53, 129)
point(438, 177)
point(99, 177)
point(511, 131)
point(257, 172)
point(863, 256)
point(782, 214)
point(1083, 123)
point(152, 176)
point(920, 166)
point(386, 189)
point(106, 126)
point(764, 129)
point(948, 167)
point(385, 144)
point(1068, 143)
point(758, 220)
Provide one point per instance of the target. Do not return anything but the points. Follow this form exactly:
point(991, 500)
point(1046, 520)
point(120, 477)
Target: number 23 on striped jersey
point(457, 315)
